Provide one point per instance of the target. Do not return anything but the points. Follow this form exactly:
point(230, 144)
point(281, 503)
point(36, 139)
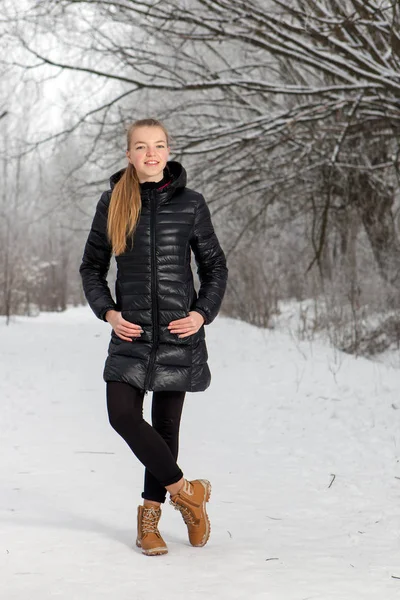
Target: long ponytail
point(124, 210)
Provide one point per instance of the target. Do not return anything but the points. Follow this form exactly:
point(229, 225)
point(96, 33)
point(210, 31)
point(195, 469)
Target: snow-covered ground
point(301, 445)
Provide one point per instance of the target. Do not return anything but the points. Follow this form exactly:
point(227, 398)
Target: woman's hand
point(188, 325)
point(124, 329)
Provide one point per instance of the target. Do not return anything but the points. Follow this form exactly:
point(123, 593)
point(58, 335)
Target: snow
point(301, 445)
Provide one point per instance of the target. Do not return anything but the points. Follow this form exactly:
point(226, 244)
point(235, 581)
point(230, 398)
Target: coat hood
point(173, 168)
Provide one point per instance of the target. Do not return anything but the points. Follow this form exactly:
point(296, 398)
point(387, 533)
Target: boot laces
point(186, 513)
point(150, 521)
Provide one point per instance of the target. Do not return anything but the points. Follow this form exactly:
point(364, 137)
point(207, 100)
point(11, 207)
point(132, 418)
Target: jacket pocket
point(191, 296)
point(198, 336)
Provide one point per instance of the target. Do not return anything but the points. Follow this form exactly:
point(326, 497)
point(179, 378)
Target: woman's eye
point(159, 146)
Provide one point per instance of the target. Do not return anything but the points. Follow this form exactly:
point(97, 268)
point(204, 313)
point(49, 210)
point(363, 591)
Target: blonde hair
point(126, 203)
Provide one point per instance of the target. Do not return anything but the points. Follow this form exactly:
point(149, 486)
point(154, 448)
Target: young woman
point(151, 222)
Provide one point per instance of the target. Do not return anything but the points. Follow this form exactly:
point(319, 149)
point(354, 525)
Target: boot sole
point(152, 551)
point(207, 486)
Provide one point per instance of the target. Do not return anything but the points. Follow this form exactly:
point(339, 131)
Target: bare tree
point(301, 92)
point(288, 112)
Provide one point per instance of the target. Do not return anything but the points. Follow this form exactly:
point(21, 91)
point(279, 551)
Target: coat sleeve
point(96, 263)
point(211, 264)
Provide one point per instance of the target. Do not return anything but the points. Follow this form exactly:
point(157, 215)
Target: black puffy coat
point(154, 286)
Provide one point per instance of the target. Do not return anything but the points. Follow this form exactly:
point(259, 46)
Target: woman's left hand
point(188, 325)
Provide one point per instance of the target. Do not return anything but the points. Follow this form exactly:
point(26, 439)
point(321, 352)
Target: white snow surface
point(301, 445)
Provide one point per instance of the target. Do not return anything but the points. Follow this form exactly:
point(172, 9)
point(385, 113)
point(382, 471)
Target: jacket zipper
point(154, 304)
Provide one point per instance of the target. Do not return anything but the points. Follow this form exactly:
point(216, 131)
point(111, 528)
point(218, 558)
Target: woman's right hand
point(124, 329)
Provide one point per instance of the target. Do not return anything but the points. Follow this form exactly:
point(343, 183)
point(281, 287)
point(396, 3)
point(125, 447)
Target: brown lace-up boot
point(148, 537)
point(191, 502)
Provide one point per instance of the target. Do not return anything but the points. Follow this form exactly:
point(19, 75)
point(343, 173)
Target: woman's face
point(148, 153)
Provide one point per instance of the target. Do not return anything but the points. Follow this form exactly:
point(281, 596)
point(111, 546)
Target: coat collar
point(173, 168)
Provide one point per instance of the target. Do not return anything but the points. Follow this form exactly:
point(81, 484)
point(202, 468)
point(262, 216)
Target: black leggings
point(155, 446)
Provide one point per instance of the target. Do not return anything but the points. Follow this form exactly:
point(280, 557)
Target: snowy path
point(279, 420)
